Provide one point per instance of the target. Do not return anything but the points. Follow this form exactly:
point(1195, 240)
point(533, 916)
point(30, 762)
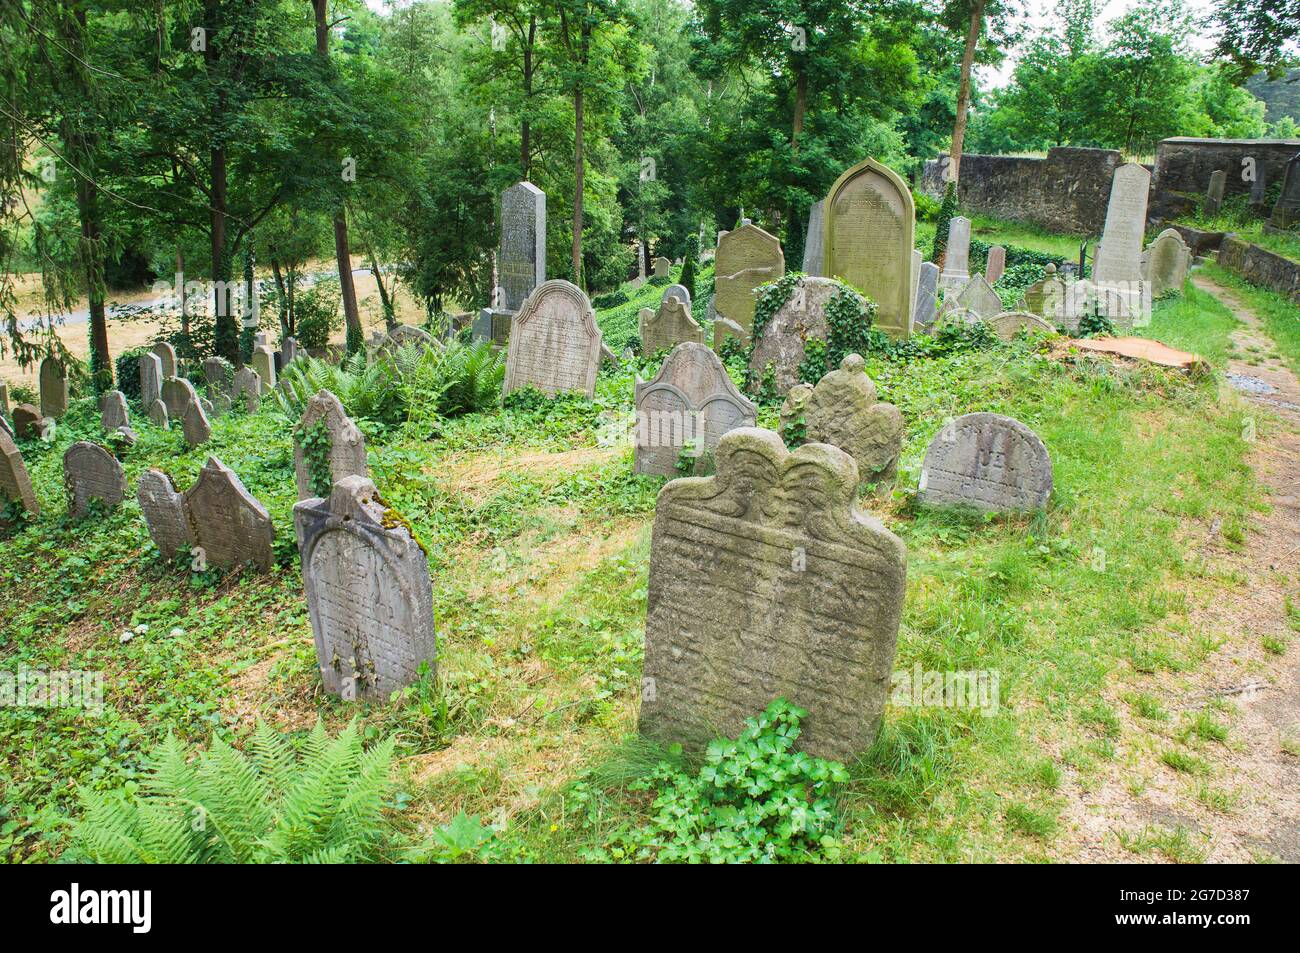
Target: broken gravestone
point(986, 461)
point(164, 513)
point(15, 484)
point(1010, 323)
point(842, 410)
point(226, 522)
point(327, 446)
point(91, 473)
point(782, 339)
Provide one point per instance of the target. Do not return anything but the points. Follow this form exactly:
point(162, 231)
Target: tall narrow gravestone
point(264, 364)
point(669, 326)
point(554, 342)
point(956, 254)
point(1286, 211)
point(15, 484)
point(226, 522)
point(766, 581)
point(4, 398)
point(151, 379)
point(54, 388)
point(327, 446)
point(927, 287)
point(747, 257)
point(91, 473)
point(1120, 249)
point(1214, 194)
point(692, 400)
point(997, 264)
point(988, 462)
point(368, 592)
point(521, 259)
point(868, 240)
point(813, 239)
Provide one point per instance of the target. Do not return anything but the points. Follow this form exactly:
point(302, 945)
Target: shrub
point(128, 372)
point(689, 265)
point(325, 805)
point(316, 315)
point(947, 209)
point(610, 299)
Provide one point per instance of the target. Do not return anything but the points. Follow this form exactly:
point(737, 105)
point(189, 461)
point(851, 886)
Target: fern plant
point(322, 805)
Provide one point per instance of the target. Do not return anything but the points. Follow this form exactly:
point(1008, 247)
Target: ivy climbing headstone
point(327, 447)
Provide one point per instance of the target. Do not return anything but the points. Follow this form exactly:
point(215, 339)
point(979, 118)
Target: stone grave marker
point(248, 384)
point(54, 388)
point(27, 422)
point(4, 398)
point(917, 261)
point(113, 411)
point(661, 267)
point(178, 393)
point(747, 257)
point(521, 258)
point(219, 375)
point(554, 342)
point(691, 400)
point(1045, 297)
point(195, 424)
point(91, 473)
point(997, 264)
point(842, 410)
point(368, 592)
point(1286, 211)
point(1010, 323)
point(1168, 260)
point(675, 291)
point(167, 356)
point(226, 521)
point(264, 365)
point(814, 238)
point(151, 379)
point(766, 580)
point(1126, 218)
point(158, 414)
point(344, 450)
point(956, 255)
point(927, 288)
point(989, 462)
point(164, 513)
point(868, 240)
point(669, 326)
point(492, 324)
point(1214, 194)
point(15, 484)
point(288, 351)
point(782, 339)
point(979, 298)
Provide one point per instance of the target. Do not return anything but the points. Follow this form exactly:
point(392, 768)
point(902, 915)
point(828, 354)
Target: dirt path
point(1247, 807)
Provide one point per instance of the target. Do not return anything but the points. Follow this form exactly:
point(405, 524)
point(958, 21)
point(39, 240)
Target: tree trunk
point(286, 329)
point(385, 299)
point(963, 90)
point(227, 331)
point(800, 107)
point(578, 168)
point(525, 128)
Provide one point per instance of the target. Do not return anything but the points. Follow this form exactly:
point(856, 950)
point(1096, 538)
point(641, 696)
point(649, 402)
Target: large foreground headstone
point(1168, 260)
point(843, 411)
point(164, 513)
point(767, 581)
point(1120, 248)
point(91, 473)
point(747, 257)
point(368, 592)
point(691, 400)
point(956, 254)
point(344, 452)
point(669, 326)
point(554, 342)
point(989, 462)
point(868, 240)
point(54, 388)
point(226, 521)
point(15, 484)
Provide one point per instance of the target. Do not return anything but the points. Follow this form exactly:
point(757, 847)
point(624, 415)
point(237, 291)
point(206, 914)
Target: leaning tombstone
point(158, 414)
point(997, 264)
point(151, 379)
point(686, 409)
point(164, 513)
point(671, 325)
point(989, 462)
point(91, 473)
point(747, 257)
point(927, 287)
point(767, 581)
point(195, 425)
point(979, 298)
point(956, 254)
point(6, 426)
point(1010, 323)
point(554, 342)
point(843, 411)
point(113, 412)
point(1214, 194)
point(15, 485)
point(178, 393)
point(327, 446)
point(226, 522)
point(54, 388)
point(368, 592)
point(288, 351)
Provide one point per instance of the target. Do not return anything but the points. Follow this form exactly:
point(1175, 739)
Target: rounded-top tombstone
point(554, 342)
point(989, 462)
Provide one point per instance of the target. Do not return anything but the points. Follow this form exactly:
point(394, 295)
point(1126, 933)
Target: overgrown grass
point(1279, 315)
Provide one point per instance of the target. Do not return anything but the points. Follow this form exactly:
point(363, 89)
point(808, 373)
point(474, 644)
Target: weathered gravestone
point(989, 462)
point(288, 351)
point(1010, 323)
point(554, 342)
point(4, 398)
point(151, 379)
point(956, 254)
point(327, 446)
point(1168, 259)
point(27, 422)
point(661, 267)
point(1214, 194)
point(842, 410)
point(927, 287)
point(814, 239)
point(91, 473)
point(997, 264)
point(766, 581)
point(166, 354)
point(178, 393)
point(675, 291)
point(781, 341)
point(54, 388)
point(1121, 238)
point(219, 375)
point(226, 521)
point(164, 513)
point(868, 241)
point(15, 484)
point(521, 259)
point(979, 298)
point(248, 385)
point(1286, 211)
point(917, 261)
point(747, 257)
point(195, 424)
point(692, 400)
point(669, 326)
point(158, 414)
point(368, 592)
point(403, 335)
point(113, 411)
point(264, 365)
point(492, 324)
point(1044, 298)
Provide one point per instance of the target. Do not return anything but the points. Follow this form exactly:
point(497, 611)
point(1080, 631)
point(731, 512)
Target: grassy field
point(524, 746)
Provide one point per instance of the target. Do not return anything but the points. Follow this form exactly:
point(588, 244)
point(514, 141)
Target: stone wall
point(1260, 267)
point(1066, 192)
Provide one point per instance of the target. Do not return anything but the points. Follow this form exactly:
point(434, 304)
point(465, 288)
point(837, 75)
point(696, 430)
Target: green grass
point(997, 231)
point(1197, 322)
